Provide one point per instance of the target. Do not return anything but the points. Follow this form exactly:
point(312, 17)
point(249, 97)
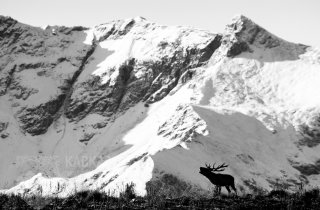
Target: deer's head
point(208, 169)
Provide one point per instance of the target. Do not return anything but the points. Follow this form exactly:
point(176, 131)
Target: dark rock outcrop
point(307, 169)
point(237, 48)
point(310, 133)
point(36, 120)
point(28, 53)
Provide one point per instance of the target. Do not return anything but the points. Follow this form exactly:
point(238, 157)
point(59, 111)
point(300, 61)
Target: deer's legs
point(227, 187)
point(234, 188)
point(217, 190)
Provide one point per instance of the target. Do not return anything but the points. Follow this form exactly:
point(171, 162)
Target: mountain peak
point(139, 19)
point(241, 22)
point(244, 29)
point(240, 17)
point(242, 34)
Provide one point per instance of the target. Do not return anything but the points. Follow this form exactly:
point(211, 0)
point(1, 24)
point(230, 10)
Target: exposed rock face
point(243, 32)
point(184, 125)
point(40, 64)
point(3, 127)
point(36, 120)
point(310, 132)
point(139, 77)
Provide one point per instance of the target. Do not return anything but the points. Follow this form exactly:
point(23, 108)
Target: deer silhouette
point(219, 180)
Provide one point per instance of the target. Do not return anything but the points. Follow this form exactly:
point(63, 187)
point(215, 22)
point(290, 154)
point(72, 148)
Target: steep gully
point(69, 90)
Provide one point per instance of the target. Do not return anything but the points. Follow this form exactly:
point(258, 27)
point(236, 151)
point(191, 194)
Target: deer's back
point(222, 179)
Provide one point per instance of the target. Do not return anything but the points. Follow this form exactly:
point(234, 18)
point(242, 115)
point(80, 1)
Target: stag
point(219, 180)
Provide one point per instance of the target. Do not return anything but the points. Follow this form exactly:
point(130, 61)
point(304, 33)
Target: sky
point(292, 20)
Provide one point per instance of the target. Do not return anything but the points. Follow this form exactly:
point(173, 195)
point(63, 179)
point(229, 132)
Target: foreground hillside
point(93, 200)
point(131, 101)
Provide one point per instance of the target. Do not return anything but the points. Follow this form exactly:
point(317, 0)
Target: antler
point(219, 168)
point(210, 167)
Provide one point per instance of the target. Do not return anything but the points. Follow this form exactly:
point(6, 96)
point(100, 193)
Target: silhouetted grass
point(13, 202)
point(278, 199)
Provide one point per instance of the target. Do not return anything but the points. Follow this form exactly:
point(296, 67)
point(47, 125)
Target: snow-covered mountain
point(131, 101)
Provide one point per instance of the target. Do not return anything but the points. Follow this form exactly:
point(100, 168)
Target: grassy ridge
point(127, 200)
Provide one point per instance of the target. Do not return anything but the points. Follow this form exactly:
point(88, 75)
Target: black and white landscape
point(131, 101)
